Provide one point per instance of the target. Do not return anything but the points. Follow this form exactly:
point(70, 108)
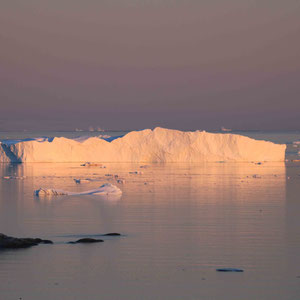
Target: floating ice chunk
point(225, 129)
point(256, 176)
point(84, 180)
point(14, 177)
point(89, 164)
point(104, 136)
point(49, 192)
point(105, 189)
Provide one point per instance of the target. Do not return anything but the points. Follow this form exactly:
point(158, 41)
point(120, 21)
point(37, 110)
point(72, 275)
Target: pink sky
point(137, 64)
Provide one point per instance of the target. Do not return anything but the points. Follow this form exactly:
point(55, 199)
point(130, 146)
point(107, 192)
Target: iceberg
point(104, 190)
point(145, 146)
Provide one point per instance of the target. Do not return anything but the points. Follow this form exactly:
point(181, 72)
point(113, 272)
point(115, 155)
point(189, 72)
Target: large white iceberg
point(158, 145)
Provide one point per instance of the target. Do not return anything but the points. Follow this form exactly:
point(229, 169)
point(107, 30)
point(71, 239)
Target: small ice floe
point(13, 177)
point(86, 180)
point(105, 189)
point(104, 136)
point(136, 172)
point(229, 270)
point(89, 164)
point(49, 192)
point(225, 129)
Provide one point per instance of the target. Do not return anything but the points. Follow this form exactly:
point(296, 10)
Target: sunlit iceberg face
point(158, 145)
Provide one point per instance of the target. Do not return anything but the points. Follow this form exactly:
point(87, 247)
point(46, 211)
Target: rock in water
point(112, 234)
point(9, 242)
point(86, 241)
point(229, 270)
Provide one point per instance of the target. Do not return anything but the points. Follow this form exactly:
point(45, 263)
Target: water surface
point(180, 222)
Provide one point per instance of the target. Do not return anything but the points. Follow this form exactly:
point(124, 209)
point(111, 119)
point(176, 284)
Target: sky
point(124, 64)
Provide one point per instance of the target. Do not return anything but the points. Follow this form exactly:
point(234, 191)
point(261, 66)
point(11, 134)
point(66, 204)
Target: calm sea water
point(180, 222)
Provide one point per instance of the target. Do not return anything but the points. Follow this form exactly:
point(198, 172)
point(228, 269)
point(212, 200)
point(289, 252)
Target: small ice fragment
point(49, 192)
point(105, 189)
point(86, 180)
point(89, 164)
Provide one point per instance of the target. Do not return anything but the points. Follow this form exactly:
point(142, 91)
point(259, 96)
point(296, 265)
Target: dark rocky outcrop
point(9, 242)
point(229, 270)
point(112, 234)
point(86, 241)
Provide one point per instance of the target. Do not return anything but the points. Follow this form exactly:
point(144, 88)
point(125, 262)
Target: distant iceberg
point(146, 146)
point(225, 129)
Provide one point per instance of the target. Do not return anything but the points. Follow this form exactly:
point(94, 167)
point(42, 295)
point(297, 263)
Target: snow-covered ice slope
point(158, 145)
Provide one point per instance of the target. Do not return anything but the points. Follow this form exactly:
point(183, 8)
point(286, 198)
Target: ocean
point(179, 223)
